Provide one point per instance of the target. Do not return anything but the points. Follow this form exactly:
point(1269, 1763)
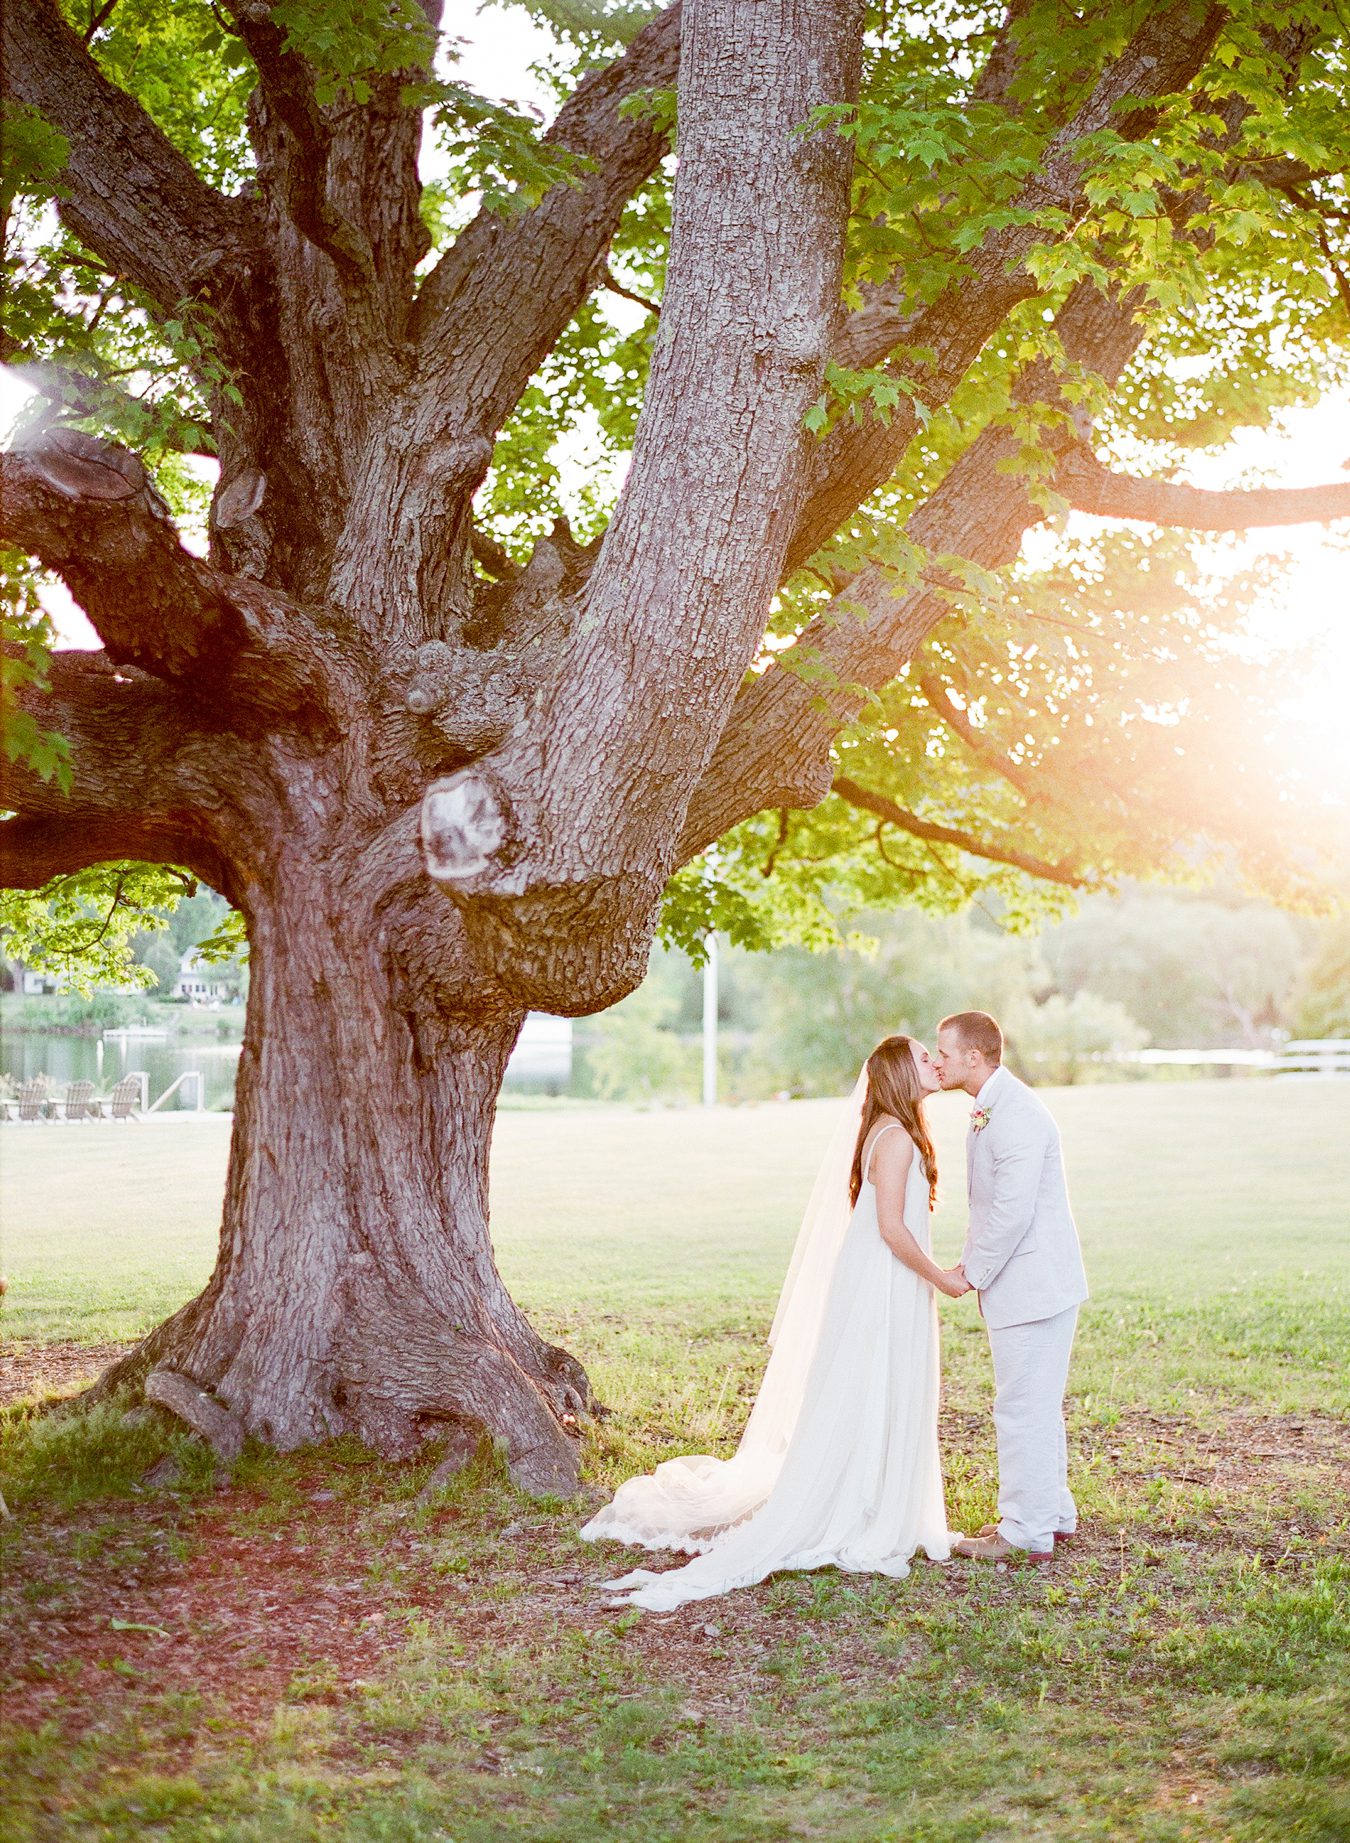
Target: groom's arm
point(1017, 1181)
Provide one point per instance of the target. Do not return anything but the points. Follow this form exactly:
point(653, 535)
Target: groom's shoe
point(994, 1547)
point(1061, 1535)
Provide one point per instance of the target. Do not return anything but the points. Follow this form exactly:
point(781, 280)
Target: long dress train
point(858, 1485)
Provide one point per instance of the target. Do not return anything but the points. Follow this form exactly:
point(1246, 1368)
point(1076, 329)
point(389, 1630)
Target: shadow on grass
point(304, 1649)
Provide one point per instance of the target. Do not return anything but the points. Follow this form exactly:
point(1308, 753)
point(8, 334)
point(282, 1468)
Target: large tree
point(444, 758)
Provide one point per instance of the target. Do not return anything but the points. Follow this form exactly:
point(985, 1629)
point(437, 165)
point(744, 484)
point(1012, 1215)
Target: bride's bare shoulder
point(891, 1148)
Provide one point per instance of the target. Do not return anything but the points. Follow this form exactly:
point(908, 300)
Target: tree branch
point(943, 706)
point(1340, 280)
point(300, 166)
point(98, 18)
point(34, 851)
point(931, 833)
point(88, 510)
point(1282, 174)
point(485, 319)
point(615, 286)
point(775, 749)
point(507, 287)
point(880, 324)
point(548, 828)
point(130, 195)
point(490, 556)
point(1164, 56)
point(1089, 486)
point(146, 783)
point(1001, 67)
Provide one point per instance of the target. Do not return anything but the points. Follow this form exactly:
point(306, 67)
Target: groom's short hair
point(977, 1030)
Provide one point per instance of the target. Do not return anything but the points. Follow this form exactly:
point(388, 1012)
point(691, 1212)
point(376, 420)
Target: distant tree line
point(1160, 968)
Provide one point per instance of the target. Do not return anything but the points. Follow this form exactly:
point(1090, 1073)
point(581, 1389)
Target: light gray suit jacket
point(1021, 1252)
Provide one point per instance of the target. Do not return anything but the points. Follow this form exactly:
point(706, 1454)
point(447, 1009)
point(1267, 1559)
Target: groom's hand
point(963, 1285)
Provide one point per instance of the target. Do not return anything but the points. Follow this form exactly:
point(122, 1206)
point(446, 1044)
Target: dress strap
point(890, 1126)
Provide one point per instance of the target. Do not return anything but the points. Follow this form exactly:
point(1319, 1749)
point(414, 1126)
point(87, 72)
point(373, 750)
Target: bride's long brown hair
point(893, 1088)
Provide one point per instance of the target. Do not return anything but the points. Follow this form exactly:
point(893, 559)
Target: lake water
point(64, 1059)
point(542, 1062)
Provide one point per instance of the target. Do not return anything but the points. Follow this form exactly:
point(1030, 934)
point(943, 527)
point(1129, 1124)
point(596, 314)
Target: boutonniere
point(979, 1119)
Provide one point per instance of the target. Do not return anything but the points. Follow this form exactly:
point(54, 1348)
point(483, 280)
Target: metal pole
point(710, 1023)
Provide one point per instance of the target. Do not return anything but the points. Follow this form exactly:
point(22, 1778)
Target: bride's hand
point(954, 1283)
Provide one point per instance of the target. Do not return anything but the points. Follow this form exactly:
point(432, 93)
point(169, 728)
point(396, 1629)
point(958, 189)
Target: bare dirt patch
point(1242, 1463)
point(115, 1602)
point(34, 1372)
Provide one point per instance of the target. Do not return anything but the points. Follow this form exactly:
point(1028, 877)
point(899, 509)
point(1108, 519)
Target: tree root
point(402, 1376)
point(222, 1430)
point(462, 1446)
point(131, 1371)
point(405, 1369)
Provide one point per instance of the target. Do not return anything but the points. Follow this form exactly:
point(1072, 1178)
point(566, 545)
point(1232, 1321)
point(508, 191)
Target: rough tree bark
point(358, 1191)
point(337, 702)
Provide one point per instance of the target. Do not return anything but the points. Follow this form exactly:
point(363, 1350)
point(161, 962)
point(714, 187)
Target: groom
point(1022, 1257)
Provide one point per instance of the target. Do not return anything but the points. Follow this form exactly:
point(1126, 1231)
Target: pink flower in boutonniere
point(979, 1119)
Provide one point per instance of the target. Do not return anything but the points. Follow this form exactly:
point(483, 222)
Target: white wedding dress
point(839, 1464)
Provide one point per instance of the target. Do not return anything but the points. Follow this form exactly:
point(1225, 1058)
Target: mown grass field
point(303, 1650)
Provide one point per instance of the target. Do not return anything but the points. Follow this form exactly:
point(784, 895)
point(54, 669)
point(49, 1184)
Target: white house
point(200, 982)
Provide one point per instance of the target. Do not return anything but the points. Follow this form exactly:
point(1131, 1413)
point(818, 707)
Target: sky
point(497, 44)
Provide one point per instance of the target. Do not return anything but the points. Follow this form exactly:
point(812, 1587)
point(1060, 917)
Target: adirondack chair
point(79, 1102)
point(123, 1103)
point(31, 1103)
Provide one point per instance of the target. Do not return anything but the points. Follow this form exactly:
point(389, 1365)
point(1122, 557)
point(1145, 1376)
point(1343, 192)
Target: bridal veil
point(687, 1502)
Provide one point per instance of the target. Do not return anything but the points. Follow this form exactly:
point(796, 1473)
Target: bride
point(838, 1465)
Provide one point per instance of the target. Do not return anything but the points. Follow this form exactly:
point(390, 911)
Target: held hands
point(954, 1282)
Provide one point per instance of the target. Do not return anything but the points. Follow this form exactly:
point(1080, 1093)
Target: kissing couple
point(839, 1464)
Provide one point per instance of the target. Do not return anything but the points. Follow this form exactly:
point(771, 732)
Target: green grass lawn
point(303, 1651)
point(1214, 1216)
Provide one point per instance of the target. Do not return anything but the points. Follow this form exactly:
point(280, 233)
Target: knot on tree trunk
point(236, 524)
point(475, 698)
point(467, 826)
point(558, 938)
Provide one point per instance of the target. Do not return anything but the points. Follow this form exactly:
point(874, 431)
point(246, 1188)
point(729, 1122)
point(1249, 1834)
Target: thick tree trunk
point(356, 1290)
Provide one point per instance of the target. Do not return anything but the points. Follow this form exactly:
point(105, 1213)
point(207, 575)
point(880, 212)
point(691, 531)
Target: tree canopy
point(1057, 726)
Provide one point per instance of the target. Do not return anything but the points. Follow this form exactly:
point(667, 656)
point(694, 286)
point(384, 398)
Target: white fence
point(1318, 1057)
point(1315, 1056)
